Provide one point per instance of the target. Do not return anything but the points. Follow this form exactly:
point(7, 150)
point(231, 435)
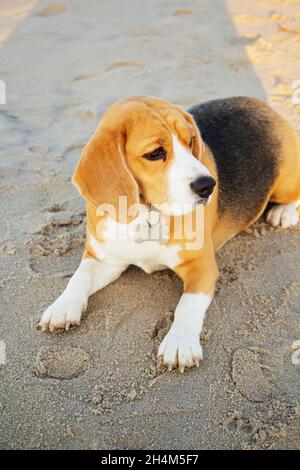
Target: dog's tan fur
point(112, 165)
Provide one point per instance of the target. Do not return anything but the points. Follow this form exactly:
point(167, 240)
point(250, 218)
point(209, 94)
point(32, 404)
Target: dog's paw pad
point(283, 215)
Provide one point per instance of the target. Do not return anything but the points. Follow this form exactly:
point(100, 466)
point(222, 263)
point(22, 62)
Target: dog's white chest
point(138, 243)
point(141, 243)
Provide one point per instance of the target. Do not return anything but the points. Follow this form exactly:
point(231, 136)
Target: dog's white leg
point(284, 215)
point(181, 346)
point(90, 276)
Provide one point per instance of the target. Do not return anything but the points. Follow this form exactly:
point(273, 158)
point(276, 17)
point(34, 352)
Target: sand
point(97, 386)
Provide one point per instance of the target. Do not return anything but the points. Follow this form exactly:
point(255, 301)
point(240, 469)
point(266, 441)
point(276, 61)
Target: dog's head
point(149, 151)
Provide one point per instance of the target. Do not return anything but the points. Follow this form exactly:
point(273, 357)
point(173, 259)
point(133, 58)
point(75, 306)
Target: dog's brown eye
point(192, 142)
point(157, 154)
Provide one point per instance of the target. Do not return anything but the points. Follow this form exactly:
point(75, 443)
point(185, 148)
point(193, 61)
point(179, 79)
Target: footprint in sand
point(291, 298)
point(124, 63)
point(183, 11)
point(55, 251)
point(53, 9)
point(61, 363)
point(249, 377)
point(71, 155)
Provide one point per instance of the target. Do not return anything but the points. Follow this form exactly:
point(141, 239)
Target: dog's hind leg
point(286, 191)
point(284, 215)
point(90, 276)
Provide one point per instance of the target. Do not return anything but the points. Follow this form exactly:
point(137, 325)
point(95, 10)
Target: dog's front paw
point(180, 348)
point(61, 314)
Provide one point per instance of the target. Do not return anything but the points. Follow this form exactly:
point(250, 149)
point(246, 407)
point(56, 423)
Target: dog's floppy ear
point(102, 175)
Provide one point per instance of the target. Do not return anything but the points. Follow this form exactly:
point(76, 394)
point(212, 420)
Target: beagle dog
point(214, 168)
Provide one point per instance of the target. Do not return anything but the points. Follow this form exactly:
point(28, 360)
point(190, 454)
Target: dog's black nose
point(203, 186)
